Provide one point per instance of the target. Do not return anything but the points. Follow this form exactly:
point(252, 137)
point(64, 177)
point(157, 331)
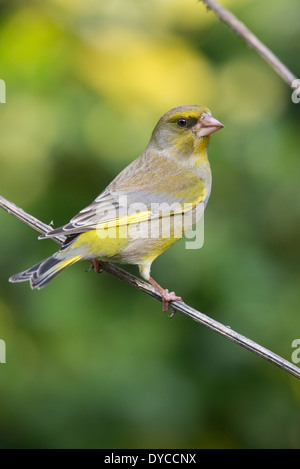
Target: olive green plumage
point(171, 180)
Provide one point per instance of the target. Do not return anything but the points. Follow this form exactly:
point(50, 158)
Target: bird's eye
point(182, 122)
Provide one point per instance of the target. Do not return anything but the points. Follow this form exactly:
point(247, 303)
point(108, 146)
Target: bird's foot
point(166, 297)
point(96, 266)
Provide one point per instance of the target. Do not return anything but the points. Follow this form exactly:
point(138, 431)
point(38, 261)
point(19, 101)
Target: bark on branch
point(241, 30)
point(177, 305)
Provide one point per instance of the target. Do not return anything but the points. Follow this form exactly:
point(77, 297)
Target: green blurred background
point(91, 362)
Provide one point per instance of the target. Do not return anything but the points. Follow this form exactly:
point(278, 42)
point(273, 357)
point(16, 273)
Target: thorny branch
point(177, 305)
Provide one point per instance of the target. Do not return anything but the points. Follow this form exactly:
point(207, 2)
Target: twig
point(28, 219)
point(147, 288)
point(241, 30)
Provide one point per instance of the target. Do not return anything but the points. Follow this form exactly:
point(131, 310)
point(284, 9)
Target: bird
point(146, 209)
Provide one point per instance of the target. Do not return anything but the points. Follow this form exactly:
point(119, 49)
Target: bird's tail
point(40, 274)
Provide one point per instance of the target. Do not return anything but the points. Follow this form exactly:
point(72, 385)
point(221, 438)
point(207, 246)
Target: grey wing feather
point(103, 208)
point(114, 201)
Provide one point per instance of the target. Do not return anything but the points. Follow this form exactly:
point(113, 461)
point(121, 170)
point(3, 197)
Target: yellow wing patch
point(190, 193)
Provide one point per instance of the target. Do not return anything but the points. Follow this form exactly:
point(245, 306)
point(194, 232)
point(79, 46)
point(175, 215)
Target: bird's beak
point(207, 125)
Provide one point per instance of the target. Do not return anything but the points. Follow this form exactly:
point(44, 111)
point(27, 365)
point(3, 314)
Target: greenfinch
point(146, 208)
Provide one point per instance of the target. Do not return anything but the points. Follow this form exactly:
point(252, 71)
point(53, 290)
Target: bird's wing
point(113, 210)
point(128, 200)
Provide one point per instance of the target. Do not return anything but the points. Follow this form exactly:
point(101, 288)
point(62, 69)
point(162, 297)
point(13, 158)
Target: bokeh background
point(91, 362)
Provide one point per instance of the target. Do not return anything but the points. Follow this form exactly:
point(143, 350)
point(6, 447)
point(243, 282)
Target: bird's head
point(186, 129)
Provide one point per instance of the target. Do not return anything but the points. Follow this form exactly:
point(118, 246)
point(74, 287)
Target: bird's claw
point(173, 313)
point(96, 266)
point(166, 298)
